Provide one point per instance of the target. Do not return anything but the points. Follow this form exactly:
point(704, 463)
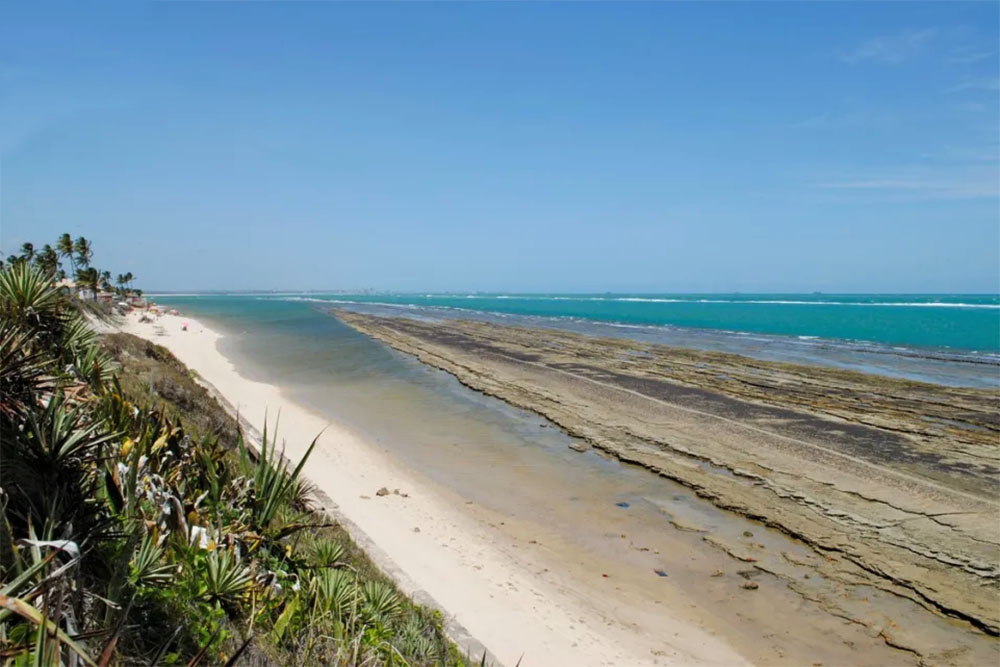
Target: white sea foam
point(893, 304)
point(651, 299)
point(622, 299)
point(646, 299)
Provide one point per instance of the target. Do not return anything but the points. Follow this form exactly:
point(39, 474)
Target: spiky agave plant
point(226, 577)
point(26, 371)
point(30, 300)
point(82, 355)
point(39, 321)
point(48, 470)
point(27, 294)
point(274, 485)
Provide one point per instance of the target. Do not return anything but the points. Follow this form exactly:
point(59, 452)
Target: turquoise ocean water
point(953, 339)
point(963, 322)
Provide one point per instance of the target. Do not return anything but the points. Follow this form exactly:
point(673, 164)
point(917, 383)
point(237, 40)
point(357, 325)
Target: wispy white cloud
point(855, 116)
point(969, 56)
point(938, 183)
point(890, 49)
point(989, 154)
point(819, 120)
point(971, 107)
point(987, 83)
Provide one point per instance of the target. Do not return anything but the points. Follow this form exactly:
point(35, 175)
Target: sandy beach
point(430, 542)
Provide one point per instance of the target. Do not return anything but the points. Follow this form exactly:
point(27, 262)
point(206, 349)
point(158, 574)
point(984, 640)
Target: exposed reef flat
point(893, 483)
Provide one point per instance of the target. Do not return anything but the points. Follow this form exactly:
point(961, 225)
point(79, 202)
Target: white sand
point(454, 561)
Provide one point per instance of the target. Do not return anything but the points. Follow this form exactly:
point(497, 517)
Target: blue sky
point(524, 146)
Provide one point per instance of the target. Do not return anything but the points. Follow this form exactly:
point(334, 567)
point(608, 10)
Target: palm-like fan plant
point(380, 603)
point(335, 591)
point(226, 578)
point(327, 553)
point(147, 566)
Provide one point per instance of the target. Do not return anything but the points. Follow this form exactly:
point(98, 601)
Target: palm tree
point(83, 251)
point(88, 277)
point(105, 281)
point(27, 251)
point(47, 260)
point(128, 278)
point(65, 247)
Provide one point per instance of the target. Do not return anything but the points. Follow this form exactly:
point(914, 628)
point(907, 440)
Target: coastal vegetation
point(138, 523)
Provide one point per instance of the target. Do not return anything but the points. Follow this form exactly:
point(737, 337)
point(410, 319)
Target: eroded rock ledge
point(895, 483)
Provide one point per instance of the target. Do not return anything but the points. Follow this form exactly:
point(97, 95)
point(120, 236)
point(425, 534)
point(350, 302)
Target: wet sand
point(888, 486)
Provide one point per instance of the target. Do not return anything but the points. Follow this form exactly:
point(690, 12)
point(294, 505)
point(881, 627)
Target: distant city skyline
point(527, 147)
